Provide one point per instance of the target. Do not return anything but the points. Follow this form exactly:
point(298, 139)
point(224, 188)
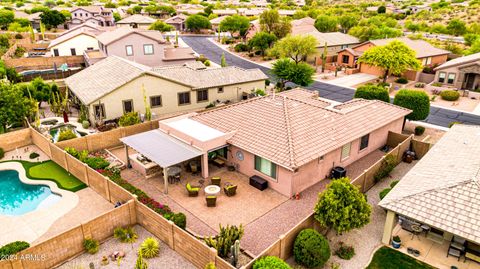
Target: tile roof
point(73, 34)
point(88, 25)
point(137, 18)
point(121, 32)
point(333, 38)
point(460, 60)
point(276, 127)
point(172, 54)
point(176, 19)
point(443, 188)
point(421, 47)
point(91, 9)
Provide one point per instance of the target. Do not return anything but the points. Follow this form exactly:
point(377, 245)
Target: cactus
point(235, 250)
point(225, 239)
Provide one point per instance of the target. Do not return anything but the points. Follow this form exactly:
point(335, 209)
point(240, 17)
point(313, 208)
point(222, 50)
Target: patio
point(432, 252)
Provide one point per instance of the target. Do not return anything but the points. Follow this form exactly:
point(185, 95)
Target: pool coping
point(30, 226)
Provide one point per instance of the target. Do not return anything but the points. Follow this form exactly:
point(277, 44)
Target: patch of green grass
point(387, 258)
point(49, 170)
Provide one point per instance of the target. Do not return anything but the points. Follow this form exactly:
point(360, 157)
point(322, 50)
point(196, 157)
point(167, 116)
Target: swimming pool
point(18, 198)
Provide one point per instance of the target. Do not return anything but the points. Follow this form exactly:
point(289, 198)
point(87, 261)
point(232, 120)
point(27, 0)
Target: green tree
point(381, 9)
point(474, 48)
point(372, 92)
point(272, 23)
point(325, 23)
point(116, 16)
point(262, 41)
point(394, 58)
point(342, 207)
point(52, 18)
point(347, 21)
point(235, 24)
point(161, 26)
point(6, 17)
point(296, 47)
point(457, 27)
point(197, 22)
point(286, 70)
point(311, 249)
point(14, 106)
point(223, 61)
point(417, 101)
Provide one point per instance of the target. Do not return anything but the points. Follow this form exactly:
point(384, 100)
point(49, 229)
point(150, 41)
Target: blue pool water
point(17, 198)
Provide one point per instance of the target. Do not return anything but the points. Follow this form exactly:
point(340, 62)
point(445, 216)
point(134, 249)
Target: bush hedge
point(384, 193)
point(12, 248)
point(417, 101)
point(387, 166)
point(401, 80)
point(372, 92)
point(90, 245)
point(240, 47)
point(66, 134)
point(345, 252)
point(128, 119)
point(450, 95)
point(311, 249)
point(270, 262)
point(33, 155)
point(419, 130)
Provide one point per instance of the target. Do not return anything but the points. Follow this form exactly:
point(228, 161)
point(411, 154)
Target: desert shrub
point(372, 92)
point(72, 151)
point(437, 84)
point(85, 124)
point(18, 36)
point(90, 245)
point(387, 166)
point(207, 63)
point(450, 95)
point(384, 193)
point(128, 119)
point(417, 101)
point(394, 183)
point(419, 130)
point(149, 248)
point(225, 239)
point(453, 123)
point(419, 85)
point(2, 153)
point(179, 219)
point(125, 235)
point(311, 249)
point(267, 82)
point(66, 134)
point(33, 155)
point(12, 248)
point(401, 80)
point(97, 163)
point(240, 47)
point(345, 252)
point(210, 265)
point(270, 262)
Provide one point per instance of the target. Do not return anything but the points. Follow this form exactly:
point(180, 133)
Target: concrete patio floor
point(432, 252)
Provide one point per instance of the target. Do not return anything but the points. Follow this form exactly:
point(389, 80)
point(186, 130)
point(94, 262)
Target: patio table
point(212, 190)
point(173, 171)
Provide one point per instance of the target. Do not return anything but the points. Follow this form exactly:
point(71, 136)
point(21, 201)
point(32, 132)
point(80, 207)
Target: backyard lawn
point(49, 170)
point(386, 257)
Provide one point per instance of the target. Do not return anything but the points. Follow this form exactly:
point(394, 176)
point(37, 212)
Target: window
point(345, 59)
point(344, 47)
point(127, 106)
point(148, 49)
point(129, 50)
point(73, 51)
point(364, 141)
point(220, 90)
point(427, 61)
point(184, 98)
point(99, 111)
point(346, 151)
point(202, 96)
point(155, 101)
point(451, 78)
point(441, 77)
point(55, 52)
point(89, 48)
point(266, 167)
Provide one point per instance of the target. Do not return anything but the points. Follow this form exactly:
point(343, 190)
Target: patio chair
point(216, 181)
point(193, 168)
point(211, 201)
point(192, 191)
point(230, 190)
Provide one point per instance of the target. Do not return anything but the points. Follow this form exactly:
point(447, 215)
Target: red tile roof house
point(291, 139)
point(425, 52)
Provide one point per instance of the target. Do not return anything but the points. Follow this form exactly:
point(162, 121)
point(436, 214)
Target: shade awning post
point(205, 165)
point(129, 165)
point(165, 180)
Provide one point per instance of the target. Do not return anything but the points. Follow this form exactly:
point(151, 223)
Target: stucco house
point(96, 14)
point(147, 47)
point(441, 196)
point(76, 40)
point(177, 21)
point(427, 54)
point(115, 86)
point(136, 21)
point(270, 136)
point(463, 73)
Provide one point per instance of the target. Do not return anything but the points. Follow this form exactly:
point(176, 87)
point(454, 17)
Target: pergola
point(161, 148)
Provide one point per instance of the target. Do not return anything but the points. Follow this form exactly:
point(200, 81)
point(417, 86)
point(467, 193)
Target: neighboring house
point(280, 144)
point(216, 22)
point(441, 192)
point(137, 21)
point(96, 14)
point(35, 20)
point(254, 28)
point(427, 54)
point(416, 9)
point(335, 41)
point(147, 47)
point(224, 12)
point(463, 73)
point(178, 22)
point(115, 86)
point(75, 41)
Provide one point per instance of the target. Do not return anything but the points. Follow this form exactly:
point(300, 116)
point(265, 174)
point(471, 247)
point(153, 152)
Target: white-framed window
point(346, 151)
point(265, 167)
point(427, 61)
point(129, 50)
point(441, 77)
point(451, 78)
point(148, 49)
point(364, 142)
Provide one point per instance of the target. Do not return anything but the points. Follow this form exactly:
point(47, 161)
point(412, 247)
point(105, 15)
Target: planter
point(396, 244)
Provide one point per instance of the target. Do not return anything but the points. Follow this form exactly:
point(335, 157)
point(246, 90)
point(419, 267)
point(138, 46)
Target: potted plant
point(396, 241)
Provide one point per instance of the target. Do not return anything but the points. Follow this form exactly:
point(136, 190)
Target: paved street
point(438, 116)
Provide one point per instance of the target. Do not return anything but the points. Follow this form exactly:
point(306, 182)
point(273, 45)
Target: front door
point(469, 80)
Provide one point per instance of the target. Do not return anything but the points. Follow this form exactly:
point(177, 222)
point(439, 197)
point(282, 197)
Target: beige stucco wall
point(80, 43)
point(169, 92)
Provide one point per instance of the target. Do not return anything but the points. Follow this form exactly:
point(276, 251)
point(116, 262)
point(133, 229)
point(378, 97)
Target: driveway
point(438, 116)
point(351, 80)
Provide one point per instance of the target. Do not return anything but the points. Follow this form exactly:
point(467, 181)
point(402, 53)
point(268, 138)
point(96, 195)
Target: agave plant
point(149, 248)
